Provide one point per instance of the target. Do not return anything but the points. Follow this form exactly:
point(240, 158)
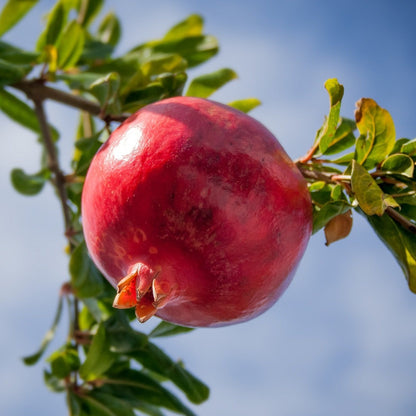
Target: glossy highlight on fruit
point(195, 213)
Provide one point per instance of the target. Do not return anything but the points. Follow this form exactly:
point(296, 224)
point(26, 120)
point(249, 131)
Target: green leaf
point(64, 361)
point(86, 280)
point(328, 211)
point(325, 135)
point(54, 383)
point(377, 133)
point(102, 404)
point(137, 388)
point(245, 105)
point(70, 45)
point(154, 359)
point(87, 150)
point(57, 19)
point(409, 148)
point(99, 357)
point(13, 12)
point(205, 85)
point(11, 73)
point(166, 329)
point(88, 10)
point(161, 63)
point(191, 26)
point(343, 137)
point(28, 184)
point(400, 242)
point(80, 80)
point(13, 55)
point(399, 163)
point(109, 31)
point(122, 338)
point(34, 358)
point(106, 88)
point(369, 195)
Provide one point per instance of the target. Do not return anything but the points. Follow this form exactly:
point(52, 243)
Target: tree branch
point(36, 89)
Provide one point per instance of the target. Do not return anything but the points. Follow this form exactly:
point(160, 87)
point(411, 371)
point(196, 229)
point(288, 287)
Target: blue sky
point(341, 340)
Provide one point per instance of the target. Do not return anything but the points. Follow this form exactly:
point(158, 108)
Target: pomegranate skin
point(194, 211)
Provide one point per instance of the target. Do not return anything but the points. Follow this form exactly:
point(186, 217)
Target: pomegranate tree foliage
point(105, 366)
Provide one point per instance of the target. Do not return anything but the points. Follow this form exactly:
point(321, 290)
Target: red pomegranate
point(194, 211)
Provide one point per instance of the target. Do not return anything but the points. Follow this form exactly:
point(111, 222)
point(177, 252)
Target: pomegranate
point(195, 213)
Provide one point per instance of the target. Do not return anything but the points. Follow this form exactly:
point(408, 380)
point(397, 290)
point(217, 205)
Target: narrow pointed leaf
point(325, 135)
point(14, 55)
point(70, 45)
point(88, 10)
point(245, 105)
point(205, 85)
point(166, 329)
point(377, 133)
point(103, 404)
point(34, 358)
point(13, 12)
point(11, 73)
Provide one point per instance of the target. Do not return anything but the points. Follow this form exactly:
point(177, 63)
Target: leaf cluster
point(360, 165)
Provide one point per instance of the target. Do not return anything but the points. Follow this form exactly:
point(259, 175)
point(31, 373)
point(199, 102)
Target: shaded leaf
point(28, 184)
point(166, 329)
point(105, 89)
point(13, 12)
point(399, 163)
point(245, 105)
point(53, 383)
point(34, 358)
point(104, 404)
point(11, 73)
point(14, 55)
point(99, 357)
point(154, 359)
point(137, 388)
point(377, 133)
point(86, 280)
point(370, 197)
point(191, 26)
point(64, 361)
point(70, 45)
point(400, 242)
point(205, 85)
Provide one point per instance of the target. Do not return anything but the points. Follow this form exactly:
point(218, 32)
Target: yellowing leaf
point(377, 133)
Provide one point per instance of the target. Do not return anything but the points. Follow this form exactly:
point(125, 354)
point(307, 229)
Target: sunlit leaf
point(160, 63)
point(409, 147)
point(205, 85)
point(191, 26)
point(109, 30)
point(325, 134)
point(86, 280)
point(245, 105)
point(34, 358)
point(88, 10)
point(70, 45)
point(12, 12)
point(28, 185)
point(343, 137)
point(377, 133)
point(370, 197)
